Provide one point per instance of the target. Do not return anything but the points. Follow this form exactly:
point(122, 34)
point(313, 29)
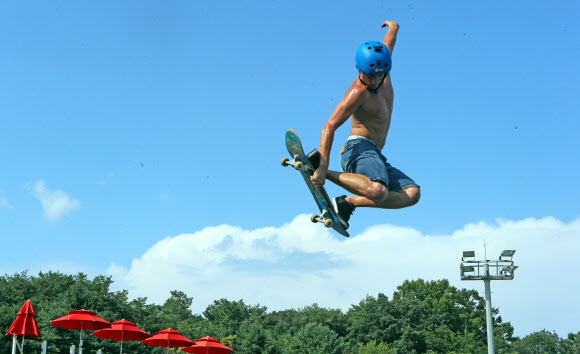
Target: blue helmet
point(373, 58)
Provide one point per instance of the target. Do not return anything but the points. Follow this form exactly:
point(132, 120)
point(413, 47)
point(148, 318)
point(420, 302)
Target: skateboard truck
point(313, 157)
point(322, 218)
point(296, 163)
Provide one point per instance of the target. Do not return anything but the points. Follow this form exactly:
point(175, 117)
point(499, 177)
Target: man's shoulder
point(357, 90)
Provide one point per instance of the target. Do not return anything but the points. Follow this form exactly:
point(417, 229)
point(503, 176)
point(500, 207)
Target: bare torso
point(372, 118)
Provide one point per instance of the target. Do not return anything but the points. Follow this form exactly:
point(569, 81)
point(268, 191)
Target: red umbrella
point(24, 325)
point(122, 331)
point(81, 319)
point(207, 345)
point(168, 338)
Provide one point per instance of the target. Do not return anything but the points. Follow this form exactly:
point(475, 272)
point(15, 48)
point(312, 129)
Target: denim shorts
point(360, 155)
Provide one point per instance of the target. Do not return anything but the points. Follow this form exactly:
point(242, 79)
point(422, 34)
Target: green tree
point(254, 338)
point(314, 339)
point(542, 342)
point(283, 322)
point(176, 313)
point(373, 348)
point(54, 294)
point(334, 319)
point(422, 317)
point(571, 345)
point(385, 321)
point(292, 321)
point(230, 314)
point(426, 317)
point(412, 341)
point(462, 311)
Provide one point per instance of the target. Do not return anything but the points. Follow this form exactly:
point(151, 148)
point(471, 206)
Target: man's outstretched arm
point(391, 35)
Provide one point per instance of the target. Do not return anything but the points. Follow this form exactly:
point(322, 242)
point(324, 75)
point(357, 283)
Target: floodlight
point(509, 269)
point(507, 253)
point(467, 269)
point(468, 254)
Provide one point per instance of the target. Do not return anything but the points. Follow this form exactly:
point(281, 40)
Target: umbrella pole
point(81, 339)
point(14, 344)
point(122, 337)
point(22, 346)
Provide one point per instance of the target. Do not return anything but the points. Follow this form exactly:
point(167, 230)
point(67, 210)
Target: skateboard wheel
point(298, 165)
point(285, 161)
point(328, 223)
point(314, 218)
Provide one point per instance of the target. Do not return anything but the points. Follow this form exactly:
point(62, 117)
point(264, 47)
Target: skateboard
point(301, 163)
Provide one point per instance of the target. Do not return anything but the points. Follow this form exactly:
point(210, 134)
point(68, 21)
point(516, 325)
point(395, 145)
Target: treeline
point(421, 317)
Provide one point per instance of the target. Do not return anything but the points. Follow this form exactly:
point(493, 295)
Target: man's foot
point(314, 158)
point(343, 209)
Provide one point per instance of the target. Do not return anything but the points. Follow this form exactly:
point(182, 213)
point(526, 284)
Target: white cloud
point(55, 204)
point(300, 263)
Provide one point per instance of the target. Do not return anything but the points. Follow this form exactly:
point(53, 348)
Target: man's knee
point(414, 194)
point(377, 192)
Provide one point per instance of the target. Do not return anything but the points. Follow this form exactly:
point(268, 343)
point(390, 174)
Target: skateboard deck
point(299, 161)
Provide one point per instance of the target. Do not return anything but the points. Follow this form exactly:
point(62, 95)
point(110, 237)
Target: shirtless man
point(369, 105)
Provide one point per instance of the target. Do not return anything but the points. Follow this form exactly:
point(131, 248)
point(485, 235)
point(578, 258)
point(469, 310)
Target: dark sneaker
point(314, 158)
point(343, 209)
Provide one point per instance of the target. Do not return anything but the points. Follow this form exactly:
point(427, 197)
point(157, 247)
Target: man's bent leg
point(395, 199)
point(360, 185)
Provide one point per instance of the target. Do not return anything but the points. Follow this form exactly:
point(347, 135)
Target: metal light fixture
point(468, 254)
point(507, 253)
point(501, 269)
point(509, 269)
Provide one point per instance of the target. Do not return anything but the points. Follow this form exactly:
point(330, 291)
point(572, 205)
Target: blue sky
point(127, 124)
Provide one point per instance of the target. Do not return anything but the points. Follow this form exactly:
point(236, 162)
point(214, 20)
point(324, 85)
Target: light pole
point(484, 270)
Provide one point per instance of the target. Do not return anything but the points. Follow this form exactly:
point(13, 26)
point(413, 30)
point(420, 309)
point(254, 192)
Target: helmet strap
point(367, 86)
